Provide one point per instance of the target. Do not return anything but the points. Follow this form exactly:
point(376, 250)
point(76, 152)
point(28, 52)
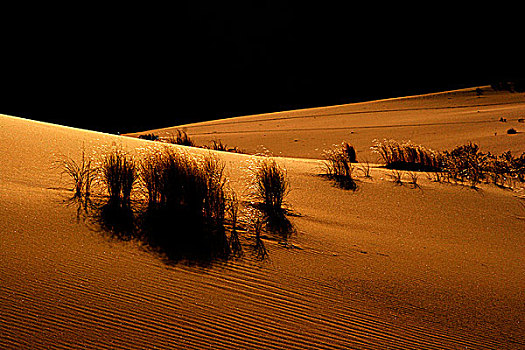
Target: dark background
point(125, 68)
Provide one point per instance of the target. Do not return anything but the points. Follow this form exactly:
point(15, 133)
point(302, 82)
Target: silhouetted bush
point(338, 166)
point(119, 174)
point(217, 145)
point(349, 152)
point(187, 203)
point(182, 208)
point(270, 186)
point(150, 137)
point(465, 163)
point(82, 174)
point(407, 156)
point(180, 138)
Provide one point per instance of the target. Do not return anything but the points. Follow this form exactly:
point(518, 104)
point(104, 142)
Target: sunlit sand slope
point(439, 121)
point(385, 267)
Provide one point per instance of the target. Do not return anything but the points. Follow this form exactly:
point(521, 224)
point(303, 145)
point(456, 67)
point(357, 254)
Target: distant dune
point(385, 267)
point(439, 120)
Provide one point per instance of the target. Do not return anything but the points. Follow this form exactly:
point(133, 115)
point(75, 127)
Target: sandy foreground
point(385, 267)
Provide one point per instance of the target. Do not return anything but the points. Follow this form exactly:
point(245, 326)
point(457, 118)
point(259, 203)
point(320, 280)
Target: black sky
point(124, 68)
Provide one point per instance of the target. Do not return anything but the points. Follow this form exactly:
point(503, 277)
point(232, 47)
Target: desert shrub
point(119, 174)
point(407, 156)
point(338, 167)
point(82, 174)
point(187, 205)
point(151, 137)
point(466, 164)
point(270, 186)
point(184, 212)
point(349, 152)
point(511, 131)
point(151, 170)
point(180, 138)
point(217, 145)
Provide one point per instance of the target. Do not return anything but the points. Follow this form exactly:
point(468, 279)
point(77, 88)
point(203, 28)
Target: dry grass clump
point(187, 205)
point(217, 145)
point(407, 156)
point(177, 204)
point(180, 138)
point(269, 188)
point(150, 137)
point(349, 151)
point(82, 174)
point(119, 175)
point(463, 164)
point(338, 166)
point(467, 163)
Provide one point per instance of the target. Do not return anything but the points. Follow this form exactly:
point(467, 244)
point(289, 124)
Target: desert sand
point(385, 267)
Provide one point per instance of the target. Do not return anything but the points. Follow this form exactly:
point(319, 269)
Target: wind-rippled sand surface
point(385, 267)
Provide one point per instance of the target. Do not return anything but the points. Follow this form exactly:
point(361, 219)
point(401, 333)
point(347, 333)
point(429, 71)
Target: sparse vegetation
point(463, 164)
point(187, 204)
point(407, 156)
point(119, 174)
point(349, 152)
point(414, 177)
point(180, 138)
point(82, 174)
point(150, 137)
point(176, 203)
point(270, 186)
point(338, 166)
point(365, 169)
point(396, 176)
point(217, 145)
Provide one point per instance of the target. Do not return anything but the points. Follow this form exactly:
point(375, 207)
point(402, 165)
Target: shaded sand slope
point(386, 267)
point(439, 121)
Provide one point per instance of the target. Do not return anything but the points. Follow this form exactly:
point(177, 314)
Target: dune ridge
point(439, 120)
point(386, 266)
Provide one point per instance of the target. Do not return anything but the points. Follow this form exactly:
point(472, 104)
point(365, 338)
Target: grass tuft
point(269, 188)
point(180, 138)
point(407, 156)
point(82, 174)
point(338, 166)
point(119, 174)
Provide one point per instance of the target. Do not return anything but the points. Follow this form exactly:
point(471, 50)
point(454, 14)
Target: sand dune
point(439, 121)
point(385, 267)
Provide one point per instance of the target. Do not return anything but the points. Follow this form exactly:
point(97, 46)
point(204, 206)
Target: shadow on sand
point(180, 237)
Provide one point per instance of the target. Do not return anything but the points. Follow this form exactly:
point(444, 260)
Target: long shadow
point(179, 236)
point(275, 221)
point(174, 236)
